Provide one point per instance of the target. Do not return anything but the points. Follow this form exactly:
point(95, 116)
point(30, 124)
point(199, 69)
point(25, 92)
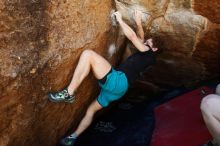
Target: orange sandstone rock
point(41, 40)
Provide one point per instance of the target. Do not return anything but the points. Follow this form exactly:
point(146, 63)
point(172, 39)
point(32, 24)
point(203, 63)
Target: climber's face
point(150, 43)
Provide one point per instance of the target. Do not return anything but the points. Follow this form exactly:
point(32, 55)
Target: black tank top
point(137, 63)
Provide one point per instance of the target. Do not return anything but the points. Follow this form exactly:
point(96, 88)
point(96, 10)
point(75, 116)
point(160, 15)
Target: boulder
point(189, 31)
point(40, 44)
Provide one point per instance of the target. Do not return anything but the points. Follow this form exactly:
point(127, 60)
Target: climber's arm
point(140, 31)
point(130, 34)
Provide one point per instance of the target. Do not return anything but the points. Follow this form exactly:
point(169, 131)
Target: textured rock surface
point(40, 42)
point(190, 32)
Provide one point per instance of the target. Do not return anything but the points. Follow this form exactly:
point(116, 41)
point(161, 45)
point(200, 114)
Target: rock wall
point(40, 43)
point(190, 32)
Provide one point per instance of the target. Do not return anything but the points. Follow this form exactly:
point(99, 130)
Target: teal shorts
point(115, 86)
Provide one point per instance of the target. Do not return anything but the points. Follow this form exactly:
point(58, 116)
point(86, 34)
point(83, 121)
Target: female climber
point(211, 115)
point(113, 82)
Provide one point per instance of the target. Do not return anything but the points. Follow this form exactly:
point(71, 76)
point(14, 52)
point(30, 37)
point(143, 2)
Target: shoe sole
point(58, 101)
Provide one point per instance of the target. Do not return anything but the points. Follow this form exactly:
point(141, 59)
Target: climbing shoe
point(61, 96)
point(68, 141)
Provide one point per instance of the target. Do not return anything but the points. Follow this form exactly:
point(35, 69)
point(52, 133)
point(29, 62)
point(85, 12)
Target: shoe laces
point(63, 94)
point(68, 140)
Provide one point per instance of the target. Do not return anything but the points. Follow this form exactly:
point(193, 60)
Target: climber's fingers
point(137, 15)
point(118, 15)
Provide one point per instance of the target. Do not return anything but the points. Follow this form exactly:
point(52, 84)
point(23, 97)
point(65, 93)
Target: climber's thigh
point(100, 66)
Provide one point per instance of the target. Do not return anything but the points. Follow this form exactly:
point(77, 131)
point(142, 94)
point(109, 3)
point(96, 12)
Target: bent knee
point(87, 53)
point(208, 102)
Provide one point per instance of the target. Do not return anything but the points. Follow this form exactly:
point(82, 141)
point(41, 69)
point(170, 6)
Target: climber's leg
point(113, 88)
point(84, 124)
point(211, 114)
point(88, 60)
point(86, 121)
